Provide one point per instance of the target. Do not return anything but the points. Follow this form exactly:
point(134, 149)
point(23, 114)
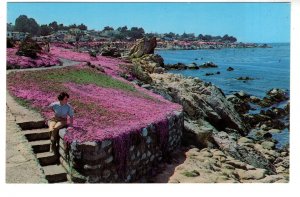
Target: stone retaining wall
point(121, 160)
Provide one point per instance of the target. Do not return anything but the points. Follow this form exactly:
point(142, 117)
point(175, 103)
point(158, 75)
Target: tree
point(62, 27)
point(227, 38)
point(136, 32)
point(45, 30)
point(207, 38)
point(123, 29)
point(200, 37)
point(82, 27)
point(25, 24)
point(108, 28)
point(54, 26)
point(72, 26)
point(21, 23)
point(170, 35)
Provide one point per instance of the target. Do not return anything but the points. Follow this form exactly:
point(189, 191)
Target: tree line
point(25, 24)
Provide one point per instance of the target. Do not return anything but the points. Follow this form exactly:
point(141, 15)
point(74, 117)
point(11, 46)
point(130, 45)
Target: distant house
point(75, 30)
point(60, 32)
point(167, 38)
point(15, 35)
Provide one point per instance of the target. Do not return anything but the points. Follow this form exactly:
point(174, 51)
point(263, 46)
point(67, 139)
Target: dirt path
point(65, 62)
point(21, 164)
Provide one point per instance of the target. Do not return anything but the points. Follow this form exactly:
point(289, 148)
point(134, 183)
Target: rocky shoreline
point(222, 141)
point(198, 45)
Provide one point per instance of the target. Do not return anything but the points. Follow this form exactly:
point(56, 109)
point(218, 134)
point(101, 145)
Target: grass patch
point(88, 77)
point(193, 173)
point(25, 103)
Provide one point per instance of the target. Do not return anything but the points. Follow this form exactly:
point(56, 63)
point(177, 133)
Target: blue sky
point(248, 22)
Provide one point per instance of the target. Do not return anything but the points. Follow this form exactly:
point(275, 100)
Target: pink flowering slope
point(43, 60)
point(110, 65)
point(101, 112)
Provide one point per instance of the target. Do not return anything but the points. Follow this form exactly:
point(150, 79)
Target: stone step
point(32, 125)
point(55, 173)
point(73, 175)
point(36, 134)
point(40, 146)
point(47, 158)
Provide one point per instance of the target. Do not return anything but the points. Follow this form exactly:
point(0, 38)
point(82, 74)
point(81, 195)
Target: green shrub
point(9, 43)
point(138, 73)
point(29, 48)
point(193, 173)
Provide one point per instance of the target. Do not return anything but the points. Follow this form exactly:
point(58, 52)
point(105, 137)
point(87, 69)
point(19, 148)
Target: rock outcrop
point(218, 124)
point(274, 96)
point(142, 47)
point(216, 166)
point(200, 101)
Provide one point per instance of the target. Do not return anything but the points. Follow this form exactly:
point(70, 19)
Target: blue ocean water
point(270, 68)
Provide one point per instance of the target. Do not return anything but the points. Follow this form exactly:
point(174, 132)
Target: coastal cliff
point(214, 123)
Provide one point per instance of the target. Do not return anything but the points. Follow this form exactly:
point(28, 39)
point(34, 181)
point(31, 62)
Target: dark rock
point(193, 66)
point(247, 154)
point(230, 69)
point(245, 78)
point(254, 119)
point(274, 112)
point(208, 65)
point(208, 74)
point(267, 135)
point(254, 99)
point(274, 96)
point(240, 106)
point(178, 66)
point(110, 51)
point(200, 101)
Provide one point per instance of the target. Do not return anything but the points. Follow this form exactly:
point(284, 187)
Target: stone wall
point(126, 159)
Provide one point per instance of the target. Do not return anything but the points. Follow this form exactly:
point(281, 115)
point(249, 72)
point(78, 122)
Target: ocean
point(269, 68)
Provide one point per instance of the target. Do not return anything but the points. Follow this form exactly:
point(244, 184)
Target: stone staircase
point(38, 137)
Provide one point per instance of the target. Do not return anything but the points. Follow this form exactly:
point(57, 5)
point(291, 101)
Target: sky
point(248, 22)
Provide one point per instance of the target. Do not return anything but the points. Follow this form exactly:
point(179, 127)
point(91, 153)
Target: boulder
point(142, 47)
point(200, 101)
point(193, 66)
point(245, 153)
point(200, 136)
point(110, 51)
point(208, 65)
point(240, 106)
point(274, 96)
point(254, 99)
point(242, 95)
point(245, 78)
point(268, 145)
point(244, 140)
point(229, 69)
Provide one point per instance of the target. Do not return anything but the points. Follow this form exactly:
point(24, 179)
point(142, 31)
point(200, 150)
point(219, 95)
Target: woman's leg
point(54, 136)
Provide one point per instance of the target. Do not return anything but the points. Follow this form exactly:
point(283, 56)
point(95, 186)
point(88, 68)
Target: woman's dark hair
point(62, 95)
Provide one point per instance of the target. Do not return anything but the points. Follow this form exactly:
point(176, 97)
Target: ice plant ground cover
point(105, 107)
point(110, 65)
point(16, 62)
